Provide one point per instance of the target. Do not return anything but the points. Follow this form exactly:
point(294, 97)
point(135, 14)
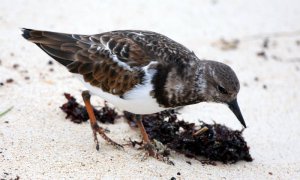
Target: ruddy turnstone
point(142, 72)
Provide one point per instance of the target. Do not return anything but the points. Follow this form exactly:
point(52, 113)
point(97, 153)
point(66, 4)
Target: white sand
point(38, 143)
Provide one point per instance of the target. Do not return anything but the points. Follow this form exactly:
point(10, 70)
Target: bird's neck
point(175, 86)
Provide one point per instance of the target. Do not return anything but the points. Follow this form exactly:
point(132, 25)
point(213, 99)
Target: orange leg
point(146, 139)
point(95, 127)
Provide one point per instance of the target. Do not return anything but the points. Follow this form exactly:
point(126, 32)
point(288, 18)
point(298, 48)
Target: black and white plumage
point(142, 72)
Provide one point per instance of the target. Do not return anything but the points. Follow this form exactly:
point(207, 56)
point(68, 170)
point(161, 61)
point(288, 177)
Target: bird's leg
point(95, 127)
point(148, 146)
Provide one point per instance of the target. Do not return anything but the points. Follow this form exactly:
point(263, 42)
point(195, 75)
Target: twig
point(200, 131)
point(6, 111)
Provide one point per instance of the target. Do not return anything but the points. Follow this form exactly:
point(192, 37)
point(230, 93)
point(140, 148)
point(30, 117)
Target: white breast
point(138, 100)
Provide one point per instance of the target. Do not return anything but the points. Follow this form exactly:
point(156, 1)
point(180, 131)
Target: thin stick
point(6, 111)
point(200, 131)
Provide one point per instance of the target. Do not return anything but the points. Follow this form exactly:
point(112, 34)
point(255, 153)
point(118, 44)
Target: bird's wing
point(158, 47)
point(109, 61)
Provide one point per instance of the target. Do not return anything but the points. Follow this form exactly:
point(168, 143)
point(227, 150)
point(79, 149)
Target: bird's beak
point(234, 107)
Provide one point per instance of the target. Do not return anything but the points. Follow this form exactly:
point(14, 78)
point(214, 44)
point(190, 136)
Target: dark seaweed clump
point(78, 114)
point(217, 143)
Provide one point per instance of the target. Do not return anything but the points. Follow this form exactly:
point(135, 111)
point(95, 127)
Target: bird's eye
point(222, 90)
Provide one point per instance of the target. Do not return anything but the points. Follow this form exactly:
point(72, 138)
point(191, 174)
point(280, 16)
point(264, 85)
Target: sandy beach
point(259, 39)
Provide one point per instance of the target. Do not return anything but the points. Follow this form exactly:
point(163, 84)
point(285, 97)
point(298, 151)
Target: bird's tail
point(59, 46)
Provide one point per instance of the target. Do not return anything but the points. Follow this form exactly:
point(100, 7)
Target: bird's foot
point(101, 131)
point(158, 151)
point(95, 127)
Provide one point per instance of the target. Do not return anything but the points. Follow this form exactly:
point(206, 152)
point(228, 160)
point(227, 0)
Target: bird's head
point(221, 85)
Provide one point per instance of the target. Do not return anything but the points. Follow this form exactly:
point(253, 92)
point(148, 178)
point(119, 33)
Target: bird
point(142, 72)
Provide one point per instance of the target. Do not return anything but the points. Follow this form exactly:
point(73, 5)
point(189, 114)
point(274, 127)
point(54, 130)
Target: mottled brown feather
point(92, 55)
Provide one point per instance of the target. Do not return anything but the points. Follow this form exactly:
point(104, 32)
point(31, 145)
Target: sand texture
point(37, 142)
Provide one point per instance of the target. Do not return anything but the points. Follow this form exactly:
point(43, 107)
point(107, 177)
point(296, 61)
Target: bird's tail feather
point(57, 45)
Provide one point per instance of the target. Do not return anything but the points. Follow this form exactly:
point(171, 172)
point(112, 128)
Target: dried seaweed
point(10, 80)
point(262, 54)
point(78, 114)
point(217, 143)
point(213, 141)
point(16, 66)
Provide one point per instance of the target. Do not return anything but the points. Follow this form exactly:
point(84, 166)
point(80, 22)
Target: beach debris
point(16, 66)
point(226, 45)
point(265, 86)
point(50, 62)
point(200, 131)
point(6, 111)
point(266, 43)
point(215, 142)
point(77, 113)
point(262, 54)
point(10, 80)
